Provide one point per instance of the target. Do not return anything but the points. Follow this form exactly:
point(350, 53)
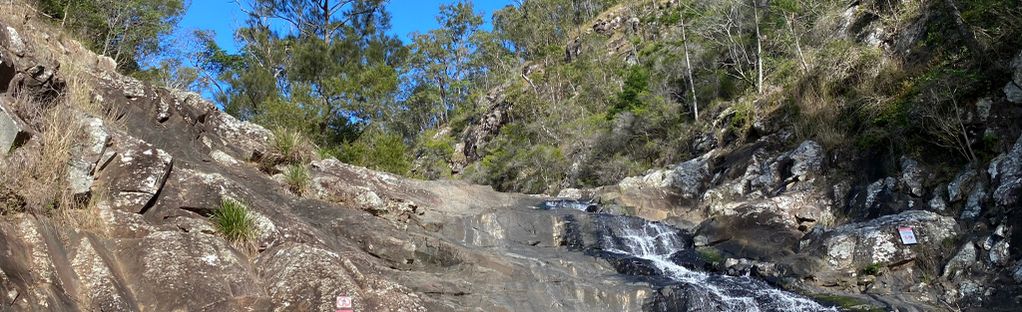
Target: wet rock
point(12, 130)
point(913, 175)
point(684, 297)
point(965, 257)
point(854, 246)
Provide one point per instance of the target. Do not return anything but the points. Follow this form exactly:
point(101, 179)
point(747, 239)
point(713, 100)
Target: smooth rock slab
point(136, 175)
point(301, 277)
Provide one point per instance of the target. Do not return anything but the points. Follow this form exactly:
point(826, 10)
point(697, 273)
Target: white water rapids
point(657, 242)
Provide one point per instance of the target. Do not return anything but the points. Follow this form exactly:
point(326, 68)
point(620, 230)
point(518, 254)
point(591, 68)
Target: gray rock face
point(1006, 174)
point(1013, 93)
point(1014, 88)
point(1016, 77)
point(958, 187)
point(913, 176)
point(304, 275)
point(876, 190)
point(808, 160)
point(687, 178)
point(14, 41)
point(136, 173)
point(12, 131)
point(999, 253)
point(974, 204)
point(965, 257)
point(937, 202)
point(88, 155)
point(854, 246)
point(1017, 273)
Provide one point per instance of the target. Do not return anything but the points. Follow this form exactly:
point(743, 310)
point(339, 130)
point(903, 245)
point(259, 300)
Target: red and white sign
point(908, 237)
point(344, 304)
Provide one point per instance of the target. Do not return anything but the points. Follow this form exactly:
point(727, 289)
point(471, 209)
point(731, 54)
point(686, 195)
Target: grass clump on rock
point(297, 178)
point(234, 222)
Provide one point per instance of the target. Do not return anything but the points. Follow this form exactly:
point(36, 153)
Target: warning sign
point(344, 304)
point(908, 236)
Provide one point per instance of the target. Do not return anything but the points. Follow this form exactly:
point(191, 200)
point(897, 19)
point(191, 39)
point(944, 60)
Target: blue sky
point(223, 16)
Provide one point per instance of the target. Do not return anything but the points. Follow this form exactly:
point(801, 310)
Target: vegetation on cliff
point(585, 93)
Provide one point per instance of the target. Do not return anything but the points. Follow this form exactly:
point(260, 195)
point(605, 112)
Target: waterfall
point(657, 244)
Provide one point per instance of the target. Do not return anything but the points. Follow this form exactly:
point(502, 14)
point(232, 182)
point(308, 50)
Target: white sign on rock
point(908, 236)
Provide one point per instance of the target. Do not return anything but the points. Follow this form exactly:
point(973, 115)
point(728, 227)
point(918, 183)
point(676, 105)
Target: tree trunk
point(798, 45)
point(759, 49)
point(688, 65)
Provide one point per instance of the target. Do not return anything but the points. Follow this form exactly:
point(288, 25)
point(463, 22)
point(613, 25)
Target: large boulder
point(688, 179)
point(852, 247)
point(913, 176)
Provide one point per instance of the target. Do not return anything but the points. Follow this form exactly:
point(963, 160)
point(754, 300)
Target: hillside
point(824, 130)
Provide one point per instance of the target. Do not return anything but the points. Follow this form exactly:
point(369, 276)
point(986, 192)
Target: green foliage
point(433, 153)
point(872, 269)
point(234, 222)
point(634, 93)
point(297, 178)
point(710, 254)
point(379, 150)
point(515, 163)
point(129, 31)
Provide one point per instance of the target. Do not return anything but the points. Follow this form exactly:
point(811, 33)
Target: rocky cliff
point(111, 189)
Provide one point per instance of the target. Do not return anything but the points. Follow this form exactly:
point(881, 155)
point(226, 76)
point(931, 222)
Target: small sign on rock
point(344, 304)
point(908, 236)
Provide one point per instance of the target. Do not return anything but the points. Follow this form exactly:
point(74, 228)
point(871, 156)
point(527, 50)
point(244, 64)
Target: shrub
point(234, 222)
point(297, 178)
point(378, 150)
point(433, 153)
point(873, 269)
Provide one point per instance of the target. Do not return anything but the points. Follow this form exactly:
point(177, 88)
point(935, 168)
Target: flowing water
point(659, 245)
